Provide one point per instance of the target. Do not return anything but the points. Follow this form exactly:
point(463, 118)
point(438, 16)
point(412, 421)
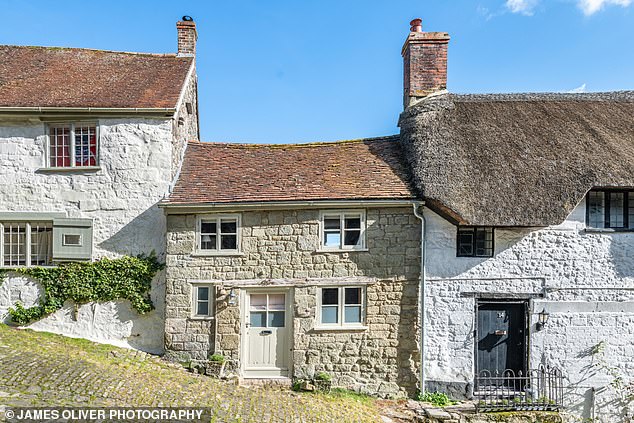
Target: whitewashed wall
point(587, 280)
point(136, 173)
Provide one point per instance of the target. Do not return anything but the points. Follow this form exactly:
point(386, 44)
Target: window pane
point(258, 319)
point(228, 242)
point(59, 151)
point(207, 227)
point(276, 319)
point(353, 222)
point(465, 241)
point(332, 222)
point(596, 209)
point(352, 237)
point(330, 296)
point(617, 204)
point(277, 301)
point(352, 296)
point(203, 308)
point(258, 301)
point(332, 239)
point(228, 226)
point(41, 245)
point(14, 244)
point(330, 314)
point(484, 242)
point(352, 314)
point(631, 210)
point(203, 293)
point(85, 146)
point(208, 242)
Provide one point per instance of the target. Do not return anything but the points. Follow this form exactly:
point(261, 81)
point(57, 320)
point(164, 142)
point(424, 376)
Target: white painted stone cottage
point(90, 142)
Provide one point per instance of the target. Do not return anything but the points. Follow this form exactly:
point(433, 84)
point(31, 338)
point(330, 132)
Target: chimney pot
point(416, 25)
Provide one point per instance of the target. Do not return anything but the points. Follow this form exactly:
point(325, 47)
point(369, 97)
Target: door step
point(277, 382)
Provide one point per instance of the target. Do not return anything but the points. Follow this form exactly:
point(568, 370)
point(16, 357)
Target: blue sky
point(297, 71)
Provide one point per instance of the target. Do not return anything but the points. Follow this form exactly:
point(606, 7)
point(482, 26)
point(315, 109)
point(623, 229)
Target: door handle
point(266, 332)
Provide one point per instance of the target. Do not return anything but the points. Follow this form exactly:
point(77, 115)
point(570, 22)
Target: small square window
point(72, 145)
point(343, 306)
point(71, 240)
point(474, 242)
point(343, 230)
point(612, 209)
point(218, 234)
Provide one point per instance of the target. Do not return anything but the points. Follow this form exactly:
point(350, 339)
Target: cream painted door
point(267, 334)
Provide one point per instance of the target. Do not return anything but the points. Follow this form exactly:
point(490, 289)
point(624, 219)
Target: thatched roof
point(518, 159)
point(365, 169)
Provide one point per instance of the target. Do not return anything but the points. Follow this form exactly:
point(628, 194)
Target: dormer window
point(610, 209)
point(72, 145)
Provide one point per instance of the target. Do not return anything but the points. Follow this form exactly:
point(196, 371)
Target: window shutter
point(72, 239)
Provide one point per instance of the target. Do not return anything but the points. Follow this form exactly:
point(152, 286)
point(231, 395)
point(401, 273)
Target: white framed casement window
point(342, 230)
point(218, 234)
point(73, 145)
point(341, 307)
point(202, 300)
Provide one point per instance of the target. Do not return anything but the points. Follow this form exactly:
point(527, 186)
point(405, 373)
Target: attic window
point(610, 209)
point(475, 242)
point(189, 108)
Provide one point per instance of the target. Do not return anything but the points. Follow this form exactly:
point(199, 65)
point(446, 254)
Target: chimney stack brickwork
point(424, 63)
point(187, 37)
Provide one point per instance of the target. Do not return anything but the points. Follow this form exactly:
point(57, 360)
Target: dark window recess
point(610, 209)
point(475, 242)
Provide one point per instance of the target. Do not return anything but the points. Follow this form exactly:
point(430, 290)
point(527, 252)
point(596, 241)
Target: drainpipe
point(421, 299)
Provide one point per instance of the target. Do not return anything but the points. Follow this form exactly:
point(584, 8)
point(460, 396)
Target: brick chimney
point(424, 63)
point(187, 36)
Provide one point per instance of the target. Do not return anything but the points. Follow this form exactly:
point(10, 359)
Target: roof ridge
point(136, 53)
point(291, 145)
point(621, 95)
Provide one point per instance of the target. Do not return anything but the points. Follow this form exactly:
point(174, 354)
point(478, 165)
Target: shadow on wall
point(144, 233)
point(408, 352)
point(621, 253)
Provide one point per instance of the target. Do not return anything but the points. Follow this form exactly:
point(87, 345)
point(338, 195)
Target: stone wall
point(585, 280)
point(282, 248)
point(121, 196)
point(185, 125)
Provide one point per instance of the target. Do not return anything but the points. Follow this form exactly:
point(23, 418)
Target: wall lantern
point(542, 319)
point(232, 297)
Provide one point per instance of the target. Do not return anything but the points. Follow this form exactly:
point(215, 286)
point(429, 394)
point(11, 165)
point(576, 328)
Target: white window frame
point(218, 251)
point(211, 300)
point(71, 125)
point(342, 216)
point(341, 324)
point(28, 244)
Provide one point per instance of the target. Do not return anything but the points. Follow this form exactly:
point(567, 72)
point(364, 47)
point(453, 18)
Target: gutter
point(98, 110)
point(187, 208)
point(423, 285)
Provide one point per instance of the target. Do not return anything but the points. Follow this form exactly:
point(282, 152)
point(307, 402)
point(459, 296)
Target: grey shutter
point(72, 239)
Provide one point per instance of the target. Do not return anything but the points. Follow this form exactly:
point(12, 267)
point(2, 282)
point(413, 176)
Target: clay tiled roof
point(73, 77)
point(346, 170)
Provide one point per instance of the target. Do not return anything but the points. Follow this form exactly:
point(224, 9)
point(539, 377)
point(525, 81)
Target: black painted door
point(501, 337)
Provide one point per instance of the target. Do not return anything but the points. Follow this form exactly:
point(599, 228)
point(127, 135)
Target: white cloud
point(525, 7)
point(590, 7)
point(578, 90)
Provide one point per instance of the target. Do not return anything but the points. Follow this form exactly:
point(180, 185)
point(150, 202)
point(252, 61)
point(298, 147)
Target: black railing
point(538, 389)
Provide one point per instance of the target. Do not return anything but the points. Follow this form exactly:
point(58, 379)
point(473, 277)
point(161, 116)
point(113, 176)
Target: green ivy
point(125, 278)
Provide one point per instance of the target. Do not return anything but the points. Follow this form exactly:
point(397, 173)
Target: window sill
point(340, 328)
point(607, 230)
point(69, 169)
point(203, 318)
point(217, 254)
point(333, 250)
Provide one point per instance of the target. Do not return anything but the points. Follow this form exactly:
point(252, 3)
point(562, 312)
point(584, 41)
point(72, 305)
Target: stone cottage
point(295, 259)
point(90, 142)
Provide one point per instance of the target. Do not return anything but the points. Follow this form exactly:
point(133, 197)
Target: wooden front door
point(267, 330)
point(501, 337)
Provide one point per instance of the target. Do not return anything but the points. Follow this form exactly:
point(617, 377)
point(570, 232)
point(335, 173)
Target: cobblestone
point(42, 369)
